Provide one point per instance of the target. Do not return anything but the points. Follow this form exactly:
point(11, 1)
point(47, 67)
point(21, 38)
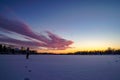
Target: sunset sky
point(61, 25)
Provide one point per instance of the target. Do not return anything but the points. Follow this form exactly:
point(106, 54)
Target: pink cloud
point(6, 39)
point(53, 42)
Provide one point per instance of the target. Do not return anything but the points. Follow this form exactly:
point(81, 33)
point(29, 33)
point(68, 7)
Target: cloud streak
point(37, 40)
point(6, 39)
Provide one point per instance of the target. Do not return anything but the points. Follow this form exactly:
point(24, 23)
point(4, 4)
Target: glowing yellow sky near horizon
point(86, 45)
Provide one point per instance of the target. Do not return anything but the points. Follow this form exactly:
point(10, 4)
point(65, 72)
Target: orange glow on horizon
point(72, 50)
point(95, 45)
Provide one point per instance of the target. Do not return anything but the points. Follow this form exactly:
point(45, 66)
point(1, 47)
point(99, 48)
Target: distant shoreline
point(59, 54)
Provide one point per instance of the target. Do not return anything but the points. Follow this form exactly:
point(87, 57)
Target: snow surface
point(60, 67)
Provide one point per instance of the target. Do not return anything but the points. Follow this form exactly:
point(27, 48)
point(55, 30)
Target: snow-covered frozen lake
point(60, 67)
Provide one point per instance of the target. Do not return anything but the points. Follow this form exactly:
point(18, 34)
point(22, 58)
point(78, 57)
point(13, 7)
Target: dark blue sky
point(91, 24)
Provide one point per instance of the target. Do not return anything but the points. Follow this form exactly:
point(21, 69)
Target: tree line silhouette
point(8, 49)
point(106, 52)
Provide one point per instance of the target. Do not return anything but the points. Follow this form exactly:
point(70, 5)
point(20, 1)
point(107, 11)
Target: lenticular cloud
point(36, 40)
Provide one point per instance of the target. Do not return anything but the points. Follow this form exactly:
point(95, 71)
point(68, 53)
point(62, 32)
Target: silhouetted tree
point(28, 52)
point(4, 48)
point(22, 51)
point(1, 49)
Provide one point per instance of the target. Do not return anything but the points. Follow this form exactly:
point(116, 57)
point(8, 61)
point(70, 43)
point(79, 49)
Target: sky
point(61, 25)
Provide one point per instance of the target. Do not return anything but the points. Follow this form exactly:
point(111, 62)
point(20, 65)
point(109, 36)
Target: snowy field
point(60, 67)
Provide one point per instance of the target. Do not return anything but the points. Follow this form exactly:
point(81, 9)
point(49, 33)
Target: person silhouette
point(27, 53)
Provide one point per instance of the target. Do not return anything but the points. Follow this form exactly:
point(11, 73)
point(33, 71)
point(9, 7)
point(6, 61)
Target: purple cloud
point(6, 39)
point(38, 40)
point(58, 42)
